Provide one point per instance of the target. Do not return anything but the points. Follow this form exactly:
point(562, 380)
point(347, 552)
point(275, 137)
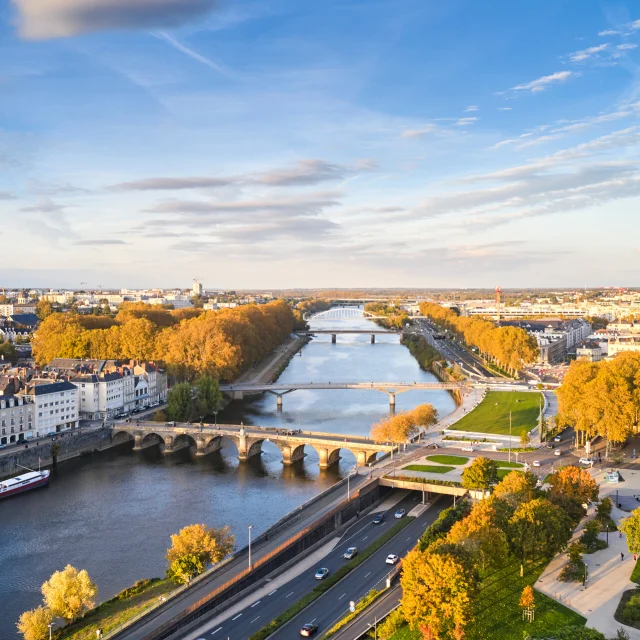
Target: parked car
point(379, 519)
point(557, 452)
point(392, 559)
point(399, 514)
point(321, 574)
point(557, 439)
point(536, 463)
point(549, 446)
point(433, 445)
point(586, 461)
point(468, 448)
point(350, 553)
point(308, 629)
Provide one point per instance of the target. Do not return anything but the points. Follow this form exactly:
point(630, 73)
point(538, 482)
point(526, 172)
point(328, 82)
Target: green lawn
point(498, 616)
point(428, 468)
point(444, 459)
point(509, 465)
point(492, 414)
point(504, 472)
point(635, 574)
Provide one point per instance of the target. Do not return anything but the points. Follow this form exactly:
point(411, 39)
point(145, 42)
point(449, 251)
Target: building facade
point(17, 422)
point(55, 405)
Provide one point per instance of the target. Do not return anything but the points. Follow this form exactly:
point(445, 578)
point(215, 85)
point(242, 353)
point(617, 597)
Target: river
point(113, 513)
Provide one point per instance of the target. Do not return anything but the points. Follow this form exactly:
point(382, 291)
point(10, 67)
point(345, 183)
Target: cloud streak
point(543, 83)
point(194, 55)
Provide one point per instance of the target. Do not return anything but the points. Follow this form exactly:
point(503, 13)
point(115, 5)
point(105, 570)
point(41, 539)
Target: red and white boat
point(24, 482)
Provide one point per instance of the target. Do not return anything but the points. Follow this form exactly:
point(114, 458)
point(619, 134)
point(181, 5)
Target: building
point(624, 343)
point(552, 346)
point(16, 419)
point(197, 288)
point(624, 328)
point(11, 308)
point(589, 352)
point(102, 396)
point(55, 405)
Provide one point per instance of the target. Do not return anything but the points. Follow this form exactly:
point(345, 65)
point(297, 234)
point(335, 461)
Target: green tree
point(8, 353)
point(69, 593)
point(482, 473)
point(34, 624)
point(180, 405)
point(516, 488)
point(603, 510)
point(186, 567)
point(630, 526)
point(525, 439)
point(208, 395)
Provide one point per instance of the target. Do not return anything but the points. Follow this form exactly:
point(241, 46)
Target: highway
point(258, 611)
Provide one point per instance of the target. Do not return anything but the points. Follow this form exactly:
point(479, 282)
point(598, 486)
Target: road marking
point(313, 620)
point(365, 537)
point(236, 617)
point(270, 594)
point(254, 620)
point(368, 574)
point(255, 604)
point(342, 596)
point(216, 631)
point(409, 538)
point(289, 594)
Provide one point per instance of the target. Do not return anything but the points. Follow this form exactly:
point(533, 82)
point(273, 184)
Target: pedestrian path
point(608, 569)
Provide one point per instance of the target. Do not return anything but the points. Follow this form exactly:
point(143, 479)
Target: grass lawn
point(492, 414)
point(635, 574)
point(444, 459)
point(498, 616)
point(114, 612)
point(509, 465)
point(428, 468)
point(504, 472)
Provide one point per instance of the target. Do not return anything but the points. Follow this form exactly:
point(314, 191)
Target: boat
point(24, 482)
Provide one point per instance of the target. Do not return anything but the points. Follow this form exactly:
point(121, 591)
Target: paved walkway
point(608, 574)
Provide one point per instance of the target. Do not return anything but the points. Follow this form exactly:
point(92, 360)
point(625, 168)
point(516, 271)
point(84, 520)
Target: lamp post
point(355, 468)
point(50, 625)
point(509, 436)
point(250, 527)
point(215, 418)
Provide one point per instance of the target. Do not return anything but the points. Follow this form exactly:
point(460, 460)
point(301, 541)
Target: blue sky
point(353, 143)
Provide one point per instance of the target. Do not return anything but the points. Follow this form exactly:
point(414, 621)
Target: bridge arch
point(180, 441)
point(342, 313)
point(120, 437)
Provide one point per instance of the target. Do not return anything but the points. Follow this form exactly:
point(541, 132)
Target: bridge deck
point(341, 331)
point(395, 387)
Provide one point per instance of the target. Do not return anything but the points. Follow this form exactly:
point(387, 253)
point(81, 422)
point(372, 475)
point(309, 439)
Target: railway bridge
point(207, 438)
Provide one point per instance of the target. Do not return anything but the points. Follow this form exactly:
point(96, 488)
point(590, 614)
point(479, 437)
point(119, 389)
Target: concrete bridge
point(248, 440)
point(279, 389)
point(334, 333)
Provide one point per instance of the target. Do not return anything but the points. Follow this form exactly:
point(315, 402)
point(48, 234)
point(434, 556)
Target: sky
point(343, 143)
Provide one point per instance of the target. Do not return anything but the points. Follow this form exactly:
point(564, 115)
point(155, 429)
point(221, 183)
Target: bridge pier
point(373, 338)
point(392, 400)
point(333, 338)
point(237, 395)
point(327, 457)
point(168, 444)
point(363, 458)
point(279, 402)
point(137, 442)
point(292, 454)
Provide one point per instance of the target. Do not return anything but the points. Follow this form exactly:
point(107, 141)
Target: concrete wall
point(65, 446)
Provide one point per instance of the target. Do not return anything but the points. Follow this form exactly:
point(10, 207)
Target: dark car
point(379, 519)
point(308, 629)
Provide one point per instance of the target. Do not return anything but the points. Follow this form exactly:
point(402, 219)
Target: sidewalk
point(608, 574)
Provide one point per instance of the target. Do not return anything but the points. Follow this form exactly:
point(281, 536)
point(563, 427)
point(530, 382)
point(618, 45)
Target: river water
point(113, 513)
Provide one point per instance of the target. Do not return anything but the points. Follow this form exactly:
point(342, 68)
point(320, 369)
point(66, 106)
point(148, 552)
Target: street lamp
point(509, 436)
point(354, 468)
point(250, 527)
point(50, 625)
point(215, 418)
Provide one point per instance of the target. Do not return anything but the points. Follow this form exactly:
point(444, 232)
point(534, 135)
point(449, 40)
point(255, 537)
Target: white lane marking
point(365, 537)
point(236, 617)
point(409, 538)
point(216, 631)
point(313, 620)
point(255, 604)
point(342, 596)
point(289, 594)
point(254, 620)
point(368, 574)
point(270, 594)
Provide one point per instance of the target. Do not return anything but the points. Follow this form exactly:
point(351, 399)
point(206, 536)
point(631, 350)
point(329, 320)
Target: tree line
point(401, 427)
point(509, 347)
point(601, 398)
point(394, 316)
point(443, 579)
point(191, 342)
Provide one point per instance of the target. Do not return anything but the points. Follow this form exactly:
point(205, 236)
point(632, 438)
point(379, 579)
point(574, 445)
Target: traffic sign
point(352, 606)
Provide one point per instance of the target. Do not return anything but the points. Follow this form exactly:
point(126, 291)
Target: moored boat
point(25, 482)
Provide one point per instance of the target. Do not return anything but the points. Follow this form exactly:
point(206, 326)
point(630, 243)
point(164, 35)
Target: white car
point(467, 448)
point(399, 514)
point(586, 461)
point(536, 463)
point(391, 559)
point(557, 452)
point(321, 574)
point(557, 439)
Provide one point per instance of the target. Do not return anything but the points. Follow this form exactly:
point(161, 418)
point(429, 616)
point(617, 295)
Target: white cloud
point(417, 133)
point(471, 107)
point(504, 108)
point(190, 52)
point(44, 19)
point(540, 84)
point(609, 32)
point(590, 52)
point(627, 46)
point(635, 25)
point(463, 122)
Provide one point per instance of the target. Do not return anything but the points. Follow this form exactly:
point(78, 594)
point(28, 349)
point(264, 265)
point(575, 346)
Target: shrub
point(391, 625)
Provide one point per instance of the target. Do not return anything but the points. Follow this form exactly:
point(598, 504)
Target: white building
point(590, 352)
point(629, 343)
point(102, 396)
point(56, 405)
point(17, 419)
point(197, 288)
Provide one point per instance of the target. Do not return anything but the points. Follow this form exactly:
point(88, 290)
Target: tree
point(630, 526)
point(208, 395)
point(34, 624)
point(197, 546)
point(438, 588)
point(482, 473)
point(44, 309)
point(527, 598)
point(69, 593)
point(8, 353)
point(525, 439)
point(180, 402)
point(183, 569)
point(424, 415)
point(573, 482)
point(603, 510)
point(517, 488)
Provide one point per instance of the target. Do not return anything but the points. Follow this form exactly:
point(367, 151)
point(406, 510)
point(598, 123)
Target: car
point(557, 452)
point(549, 446)
point(3, 446)
point(321, 574)
point(586, 461)
point(392, 559)
point(469, 448)
point(557, 439)
point(379, 519)
point(399, 514)
point(350, 553)
point(536, 463)
point(433, 445)
point(308, 629)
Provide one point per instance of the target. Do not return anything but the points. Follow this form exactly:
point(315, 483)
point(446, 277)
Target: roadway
point(258, 610)
point(393, 387)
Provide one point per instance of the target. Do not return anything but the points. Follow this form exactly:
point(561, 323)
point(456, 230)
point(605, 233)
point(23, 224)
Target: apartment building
point(55, 405)
point(17, 421)
point(589, 352)
point(624, 343)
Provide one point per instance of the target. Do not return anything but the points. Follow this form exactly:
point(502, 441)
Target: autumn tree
point(69, 593)
point(482, 473)
point(630, 526)
point(527, 599)
point(44, 309)
point(424, 415)
point(180, 405)
point(516, 487)
point(34, 624)
point(573, 482)
point(208, 395)
point(401, 427)
point(438, 587)
point(195, 547)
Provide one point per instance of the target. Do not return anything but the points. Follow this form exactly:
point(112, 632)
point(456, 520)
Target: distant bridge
point(349, 313)
point(208, 438)
point(334, 333)
point(239, 390)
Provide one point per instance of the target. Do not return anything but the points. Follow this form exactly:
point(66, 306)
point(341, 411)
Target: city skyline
point(355, 144)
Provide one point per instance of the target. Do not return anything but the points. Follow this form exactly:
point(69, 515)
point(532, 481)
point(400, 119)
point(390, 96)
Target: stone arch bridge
point(248, 440)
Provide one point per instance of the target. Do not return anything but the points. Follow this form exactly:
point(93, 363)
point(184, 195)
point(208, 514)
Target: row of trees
point(187, 402)
point(401, 427)
point(601, 398)
point(191, 342)
point(395, 318)
point(509, 347)
point(441, 582)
